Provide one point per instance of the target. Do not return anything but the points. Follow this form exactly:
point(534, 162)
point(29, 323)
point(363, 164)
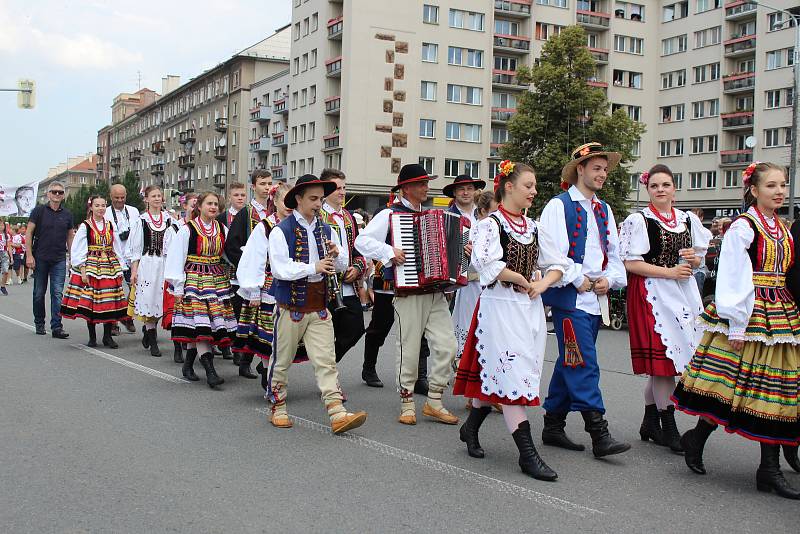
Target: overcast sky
point(83, 53)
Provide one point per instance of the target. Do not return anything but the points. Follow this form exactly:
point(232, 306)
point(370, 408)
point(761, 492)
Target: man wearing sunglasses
point(49, 235)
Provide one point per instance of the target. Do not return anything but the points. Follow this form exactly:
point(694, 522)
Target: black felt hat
point(411, 173)
point(304, 181)
point(462, 179)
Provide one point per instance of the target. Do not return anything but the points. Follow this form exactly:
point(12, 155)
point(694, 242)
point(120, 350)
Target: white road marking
point(442, 467)
point(109, 357)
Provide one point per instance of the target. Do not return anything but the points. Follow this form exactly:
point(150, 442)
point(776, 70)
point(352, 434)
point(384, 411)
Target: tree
point(562, 112)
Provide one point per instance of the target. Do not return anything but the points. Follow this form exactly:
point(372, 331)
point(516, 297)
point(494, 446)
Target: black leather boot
point(602, 442)
point(769, 476)
point(672, 438)
point(237, 359)
point(693, 441)
point(651, 426)
point(790, 453)
point(154, 350)
point(188, 366)
point(212, 378)
point(92, 334)
point(469, 430)
point(244, 369)
point(145, 337)
point(108, 341)
point(553, 433)
point(370, 376)
point(226, 353)
point(177, 355)
point(529, 460)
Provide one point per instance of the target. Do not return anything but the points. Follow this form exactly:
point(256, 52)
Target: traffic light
point(26, 97)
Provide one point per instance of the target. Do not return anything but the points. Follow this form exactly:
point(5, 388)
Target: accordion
point(433, 242)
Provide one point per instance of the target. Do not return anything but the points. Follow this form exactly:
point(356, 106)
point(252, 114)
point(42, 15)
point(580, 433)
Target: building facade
point(74, 173)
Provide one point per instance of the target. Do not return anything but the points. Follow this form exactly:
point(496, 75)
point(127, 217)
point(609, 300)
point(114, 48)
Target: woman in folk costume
point(502, 361)
point(744, 374)
point(660, 246)
point(203, 314)
point(148, 244)
point(94, 291)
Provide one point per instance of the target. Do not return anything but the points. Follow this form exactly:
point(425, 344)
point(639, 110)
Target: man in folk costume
point(348, 322)
point(304, 255)
point(237, 198)
point(239, 229)
point(418, 311)
point(584, 228)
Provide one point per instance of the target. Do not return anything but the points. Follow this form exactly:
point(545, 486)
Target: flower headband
point(748, 173)
point(505, 169)
point(644, 178)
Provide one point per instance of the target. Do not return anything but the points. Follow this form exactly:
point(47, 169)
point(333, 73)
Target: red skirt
point(169, 307)
point(468, 376)
point(648, 353)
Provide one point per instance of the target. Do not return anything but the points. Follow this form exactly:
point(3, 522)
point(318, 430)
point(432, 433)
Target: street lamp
point(795, 96)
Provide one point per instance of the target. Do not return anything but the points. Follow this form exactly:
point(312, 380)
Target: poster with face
point(18, 200)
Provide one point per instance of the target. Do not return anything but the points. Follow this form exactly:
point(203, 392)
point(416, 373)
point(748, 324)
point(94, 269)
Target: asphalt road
point(115, 441)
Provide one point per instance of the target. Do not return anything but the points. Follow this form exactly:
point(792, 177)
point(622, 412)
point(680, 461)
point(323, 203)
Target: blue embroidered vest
point(575, 218)
point(293, 292)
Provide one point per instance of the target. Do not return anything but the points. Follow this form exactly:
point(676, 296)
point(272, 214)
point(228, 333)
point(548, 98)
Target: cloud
point(82, 51)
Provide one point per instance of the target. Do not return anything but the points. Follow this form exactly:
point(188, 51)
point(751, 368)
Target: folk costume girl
point(502, 361)
point(203, 315)
point(660, 246)
point(94, 291)
point(149, 241)
point(744, 374)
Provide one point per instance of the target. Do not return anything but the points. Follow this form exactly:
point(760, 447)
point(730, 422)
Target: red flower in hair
point(748, 173)
point(496, 181)
point(564, 186)
point(644, 178)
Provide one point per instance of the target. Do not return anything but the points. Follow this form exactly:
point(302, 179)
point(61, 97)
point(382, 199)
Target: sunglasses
point(57, 192)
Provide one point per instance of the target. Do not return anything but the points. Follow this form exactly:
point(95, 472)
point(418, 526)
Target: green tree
point(562, 112)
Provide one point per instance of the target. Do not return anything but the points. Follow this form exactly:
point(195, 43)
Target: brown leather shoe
point(443, 416)
point(407, 418)
point(281, 420)
point(348, 422)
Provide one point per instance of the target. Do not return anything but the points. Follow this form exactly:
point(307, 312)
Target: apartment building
point(74, 173)
point(195, 136)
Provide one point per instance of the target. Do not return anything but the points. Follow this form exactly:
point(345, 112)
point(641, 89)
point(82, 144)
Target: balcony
point(260, 114)
point(507, 79)
point(99, 151)
point(135, 154)
point(502, 115)
point(494, 150)
point(331, 143)
point(742, 120)
point(260, 145)
point(333, 105)
point(740, 46)
point(514, 44)
point(739, 83)
point(186, 136)
point(221, 124)
point(333, 67)
point(185, 186)
point(157, 147)
point(279, 106)
point(597, 83)
point(740, 9)
point(221, 152)
point(116, 161)
point(513, 8)
point(279, 139)
point(219, 179)
point(336, 28)
point(157, 169)
point(278, 172)
point(594, 20)
point(186, 161)
point(99, 166)
point(600, 55)
point(732, 158)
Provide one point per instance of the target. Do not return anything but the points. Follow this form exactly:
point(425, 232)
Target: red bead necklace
point(160, 219)
point(671, 222)
point(773, 230)
point(518, 227)
point(207, 232)
point(101, 234)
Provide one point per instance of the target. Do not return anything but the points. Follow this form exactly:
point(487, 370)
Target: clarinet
point(332, 279)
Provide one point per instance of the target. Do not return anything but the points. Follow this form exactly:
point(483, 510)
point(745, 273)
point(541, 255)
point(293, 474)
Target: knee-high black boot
point(177, 355)
point(651, 426)
point(672, 438)
point(769, 476)
point(602, 442)
point(188, 366)
point(529, 460)
point(469, 430)
point(154, 350)
point(92, 334)
point(212, 378)
point(108, 341)
point(554, 434)
point(693, 441)
point(790, 453)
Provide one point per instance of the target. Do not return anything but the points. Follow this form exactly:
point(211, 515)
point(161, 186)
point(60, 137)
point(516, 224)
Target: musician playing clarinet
point(304, 255)
point(418, 312)
point(348, 322)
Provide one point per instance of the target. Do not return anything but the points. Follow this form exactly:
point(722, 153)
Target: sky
point(82, 53)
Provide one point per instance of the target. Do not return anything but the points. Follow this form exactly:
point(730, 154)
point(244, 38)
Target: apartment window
point(664, 148)
point(303, 97)
point(674, 45)
point(466, 57)
point(427, 164)
point(466, 20)
point(628, 45)
point(504, 100)
point(773, 99)
point(635, 113)
point(312, 129)
point(623, 78)
point(499, 136)
point(302, 133)
point(430, 14)
point(707, 5)
point(545, 31)
point(708, 37)
point(787, 136)
point(627, 10)
point(457, 131)
point(506, 27)
point(296, 31)
point(296, 66)
point(673, 113)
point(429, 52)
point(314, 22)
point(428, 90)
point(704, 144)
point(306, 25)
point(233, 166)
point(312, 61)
point(294, 100)
point(706, 73)
point(679, 147)
point(676, 78)
point(636, 149)
point(294, 134)
point(505, 63)
point(780, 58)
point(771, 137)
point(472, 169)
point(464, 94)
point(312, 94)
point(776, 21)
point(675, 11)
point(713, 107)
point(695, 180)
point(427, 128)
point(451, 168)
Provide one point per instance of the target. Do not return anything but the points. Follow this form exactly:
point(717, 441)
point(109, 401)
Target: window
point(506, 27)
point(627, 10)
point(312, 130)
point(430, 14)
point(314, 22)
point(664, 149)
point(472, 169)
point(776, 21)
point(427, 164)
point(673, 45)
point(554, 3)
point(499, 136)
point(704, 144)
point(707, 5)
point(296, 31)
point(451, 167)
point(679, 147)
point(671, 147)
point(676, 78)
point(428, 90)
point(624, 78)
point(457, 131)
point(677, 179)
point(780, 58)
point(773, 99)
point(787, 136)
point(706, 73)
point(771, 138)
point(711, 179)
point(427, 128)
point(731, 179)
point(713, 107)
point(635, 113)
point(545, 31)
point(699, 180)
point(429, 52)
point(303, 97)
point(312, 61)
point(466, 20)
point(463, 94)
point(312, 94)
point(505, 63)
point(628, 45)
point(467, 57)
point(504, 100)
point(708, 37)
point(675, 11)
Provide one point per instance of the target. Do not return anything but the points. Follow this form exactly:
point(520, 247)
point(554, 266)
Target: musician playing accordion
point(419, 311)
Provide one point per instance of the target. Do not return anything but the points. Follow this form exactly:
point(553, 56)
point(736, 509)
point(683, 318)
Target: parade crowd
point(285, 278)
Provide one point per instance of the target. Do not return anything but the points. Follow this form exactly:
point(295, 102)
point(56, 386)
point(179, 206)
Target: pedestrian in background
point(5, 258)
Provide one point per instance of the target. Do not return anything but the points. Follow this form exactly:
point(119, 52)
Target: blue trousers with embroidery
point(578, 389)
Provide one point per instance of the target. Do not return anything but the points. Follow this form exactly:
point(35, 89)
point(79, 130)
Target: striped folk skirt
point(102, 300)
point(204, 312)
